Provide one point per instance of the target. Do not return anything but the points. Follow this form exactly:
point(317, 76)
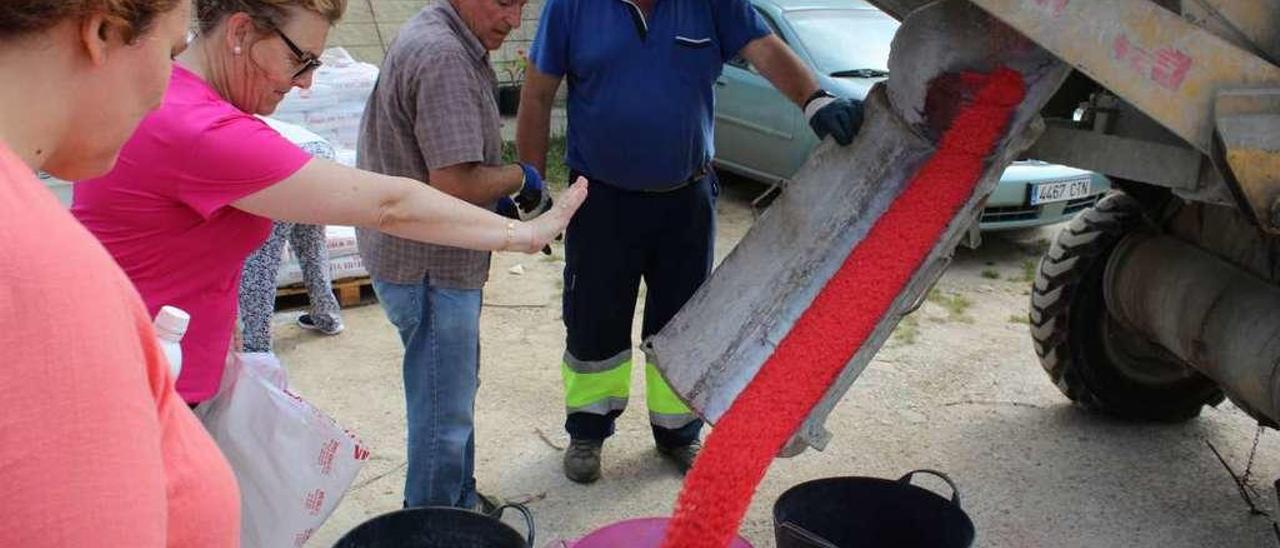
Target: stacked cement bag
point(334, 104)
point(344, 258)
point(340, 241)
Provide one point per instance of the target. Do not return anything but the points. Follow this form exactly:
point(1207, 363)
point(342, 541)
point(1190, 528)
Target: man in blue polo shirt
point(641, 103)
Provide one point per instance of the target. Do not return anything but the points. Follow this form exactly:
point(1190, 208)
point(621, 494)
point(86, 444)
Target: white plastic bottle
point(171, 324)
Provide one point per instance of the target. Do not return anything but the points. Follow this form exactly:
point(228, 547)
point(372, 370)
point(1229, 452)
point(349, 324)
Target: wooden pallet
point(350, 291)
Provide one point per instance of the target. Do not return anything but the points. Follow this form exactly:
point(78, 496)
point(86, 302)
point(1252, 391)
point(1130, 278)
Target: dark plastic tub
point(862, 512)
point(438, 527)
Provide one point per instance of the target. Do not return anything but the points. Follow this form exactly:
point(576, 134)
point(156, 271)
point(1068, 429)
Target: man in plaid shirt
point(432, 117)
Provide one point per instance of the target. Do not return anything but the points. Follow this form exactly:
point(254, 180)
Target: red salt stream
point(719, 488)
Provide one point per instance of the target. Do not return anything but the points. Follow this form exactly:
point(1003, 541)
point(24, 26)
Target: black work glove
point(838, 117)
point(533, 198)
point(507, 208)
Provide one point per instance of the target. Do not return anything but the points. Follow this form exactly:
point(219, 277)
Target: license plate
point(1060, 191)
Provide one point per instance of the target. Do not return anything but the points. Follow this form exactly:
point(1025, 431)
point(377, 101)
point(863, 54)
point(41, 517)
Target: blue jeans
point(440, 329)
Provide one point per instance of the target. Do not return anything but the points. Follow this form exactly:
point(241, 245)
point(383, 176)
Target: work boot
point(582, 460)
point(681, 455)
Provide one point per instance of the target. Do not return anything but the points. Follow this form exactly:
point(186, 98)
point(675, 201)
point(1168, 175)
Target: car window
point(741, 62)
point(845, 39)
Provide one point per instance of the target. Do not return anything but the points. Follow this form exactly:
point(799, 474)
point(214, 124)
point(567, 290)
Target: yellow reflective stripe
point(582, 390)
point(659, 397)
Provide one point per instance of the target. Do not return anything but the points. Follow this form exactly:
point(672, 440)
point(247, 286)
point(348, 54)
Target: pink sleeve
point(234, 158)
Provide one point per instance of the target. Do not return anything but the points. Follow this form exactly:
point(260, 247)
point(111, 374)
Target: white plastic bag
point(293, 462)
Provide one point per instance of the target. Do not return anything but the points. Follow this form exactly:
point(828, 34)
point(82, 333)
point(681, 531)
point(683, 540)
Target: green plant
point(514, 69)
point(956, 304)
point(907, 331)
point(1028, 270)
point(990, 274)
point(557, 173)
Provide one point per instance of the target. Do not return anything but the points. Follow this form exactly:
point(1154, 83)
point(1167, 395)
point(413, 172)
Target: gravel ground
point(958, 389)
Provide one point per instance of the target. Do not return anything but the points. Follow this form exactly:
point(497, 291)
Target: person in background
point(258, 284)
point(432, 117)
point(98, 449)
point(262, 268)
point(643, 72)
point(198, 184)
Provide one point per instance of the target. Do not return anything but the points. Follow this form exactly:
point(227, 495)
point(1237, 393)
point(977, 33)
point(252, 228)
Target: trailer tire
point(1094, 360)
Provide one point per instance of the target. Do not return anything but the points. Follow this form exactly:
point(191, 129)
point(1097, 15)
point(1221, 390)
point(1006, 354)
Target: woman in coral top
point(199, 183)
point(96, 448)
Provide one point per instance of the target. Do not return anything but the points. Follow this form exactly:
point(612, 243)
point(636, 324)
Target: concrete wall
point(370, 25)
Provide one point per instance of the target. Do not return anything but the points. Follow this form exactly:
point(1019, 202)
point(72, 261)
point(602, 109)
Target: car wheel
point(1095, 361)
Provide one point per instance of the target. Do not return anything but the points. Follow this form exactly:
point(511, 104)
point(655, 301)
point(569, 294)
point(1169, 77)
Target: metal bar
point(1168, 68)
point(1252, 22)
point(1248, 130)
point(1138, 160)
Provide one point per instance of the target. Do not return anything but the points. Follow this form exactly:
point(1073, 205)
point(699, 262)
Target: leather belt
point(698, 174)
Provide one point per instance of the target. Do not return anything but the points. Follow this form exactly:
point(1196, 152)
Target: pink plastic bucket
point(633, 533)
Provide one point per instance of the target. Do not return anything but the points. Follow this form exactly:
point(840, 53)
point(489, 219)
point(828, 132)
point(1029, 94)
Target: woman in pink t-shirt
point(197, 186)
point(96, 448)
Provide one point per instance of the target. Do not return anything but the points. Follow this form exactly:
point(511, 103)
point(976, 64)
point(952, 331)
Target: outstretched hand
point(507, 208)
point(551, 224)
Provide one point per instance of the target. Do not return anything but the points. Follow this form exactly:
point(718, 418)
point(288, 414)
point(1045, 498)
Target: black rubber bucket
point(439, 527)
point(864, 512)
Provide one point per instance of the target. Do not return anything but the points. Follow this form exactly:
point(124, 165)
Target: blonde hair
point(266, 14)
point(133, 17)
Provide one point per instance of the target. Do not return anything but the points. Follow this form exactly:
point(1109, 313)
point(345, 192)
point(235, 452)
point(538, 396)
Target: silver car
point(760, 134)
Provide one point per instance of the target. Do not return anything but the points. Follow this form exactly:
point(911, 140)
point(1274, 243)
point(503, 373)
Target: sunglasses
point(308, 60)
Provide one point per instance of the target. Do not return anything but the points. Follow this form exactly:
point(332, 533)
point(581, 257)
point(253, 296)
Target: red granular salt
point(718, 490)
